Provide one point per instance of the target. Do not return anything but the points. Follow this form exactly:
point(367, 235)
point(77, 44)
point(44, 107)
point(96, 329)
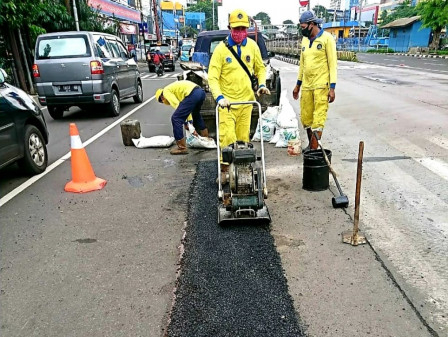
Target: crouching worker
point(187, 98)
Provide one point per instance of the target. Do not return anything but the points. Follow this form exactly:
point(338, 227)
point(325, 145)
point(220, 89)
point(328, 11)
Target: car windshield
point(63, 47)
point(163, 49)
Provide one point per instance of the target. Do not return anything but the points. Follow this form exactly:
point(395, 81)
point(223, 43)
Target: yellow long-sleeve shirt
point(227, 78)
point(318, 62)
point(175, 92)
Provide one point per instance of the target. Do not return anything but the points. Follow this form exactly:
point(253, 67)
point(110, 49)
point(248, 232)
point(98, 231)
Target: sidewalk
point(297, 61)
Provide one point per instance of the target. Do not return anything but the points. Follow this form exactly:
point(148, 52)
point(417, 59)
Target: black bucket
point(315, 170)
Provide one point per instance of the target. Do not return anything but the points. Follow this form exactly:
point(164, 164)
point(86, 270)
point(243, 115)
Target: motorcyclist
point(157, 60)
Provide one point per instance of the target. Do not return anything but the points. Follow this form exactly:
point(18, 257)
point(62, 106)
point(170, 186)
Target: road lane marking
point(145, 76)
point(61, 160)
point(439, 141)
point(435, 165)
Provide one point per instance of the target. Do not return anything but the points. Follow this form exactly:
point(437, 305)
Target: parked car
point(186, 52)
point(84, 69)
point(167, 51)
point(23, 131)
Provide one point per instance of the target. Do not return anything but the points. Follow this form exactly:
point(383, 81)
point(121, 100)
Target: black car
point(23, 131)
point(166, 50)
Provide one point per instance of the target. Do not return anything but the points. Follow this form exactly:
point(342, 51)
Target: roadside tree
point(434, 15)
point(264, 17)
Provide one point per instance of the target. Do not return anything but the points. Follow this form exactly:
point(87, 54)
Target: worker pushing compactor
point(236, 70)
point(187, 98)
point(317, 76)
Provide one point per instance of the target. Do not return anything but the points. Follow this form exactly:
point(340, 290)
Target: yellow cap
point(158, 93)
point(238, 18)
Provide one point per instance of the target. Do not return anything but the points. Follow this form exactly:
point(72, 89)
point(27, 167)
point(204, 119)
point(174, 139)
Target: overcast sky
point(278, 10)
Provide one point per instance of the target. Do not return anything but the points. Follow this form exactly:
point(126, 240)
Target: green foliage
point(188, 31)
point(90, 19)
point(288, 22)
point(433, 13)
point(206, 6)
point(381, 51)
point(321, 12)
point(403, 10)
point(264, 17)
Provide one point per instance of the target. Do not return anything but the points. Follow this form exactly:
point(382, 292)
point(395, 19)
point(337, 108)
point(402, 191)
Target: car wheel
point(35, 158)
point(138, 98)
point(55, 112)
point(113, 107)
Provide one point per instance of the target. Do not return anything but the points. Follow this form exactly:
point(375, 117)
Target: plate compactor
point(242, 199)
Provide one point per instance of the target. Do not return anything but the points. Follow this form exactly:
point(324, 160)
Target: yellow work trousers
point(234, 124)
point(313, 108)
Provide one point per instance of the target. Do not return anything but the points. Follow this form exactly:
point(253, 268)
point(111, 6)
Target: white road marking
point(61, 160)
point(419, 155)
point(437, 166)
point(439, 141)
point(143, 77)
point(165, 76)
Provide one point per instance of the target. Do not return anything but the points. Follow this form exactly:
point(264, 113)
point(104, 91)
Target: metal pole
point(75, 14)
point(358, 191)
point(213, 10)
point(359, 26)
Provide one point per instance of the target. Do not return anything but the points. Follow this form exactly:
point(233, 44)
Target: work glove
point(263, 90)
point(223, 103)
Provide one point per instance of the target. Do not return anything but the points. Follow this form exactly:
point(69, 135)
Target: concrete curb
point(296, 61)
point(416, 55)
point(287, 59)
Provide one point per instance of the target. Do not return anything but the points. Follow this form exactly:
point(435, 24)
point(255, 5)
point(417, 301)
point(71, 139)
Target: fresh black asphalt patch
point(231, 281)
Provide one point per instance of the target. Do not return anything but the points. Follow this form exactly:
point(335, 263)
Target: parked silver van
point(84, 69)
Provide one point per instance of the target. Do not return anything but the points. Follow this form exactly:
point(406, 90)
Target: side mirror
point(271, 54)
point(3, 76)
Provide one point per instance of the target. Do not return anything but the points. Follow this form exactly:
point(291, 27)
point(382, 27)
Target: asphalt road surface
point(109, 263)
point(430, 65)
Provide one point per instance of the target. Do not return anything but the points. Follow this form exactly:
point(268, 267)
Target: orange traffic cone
point(83, 177)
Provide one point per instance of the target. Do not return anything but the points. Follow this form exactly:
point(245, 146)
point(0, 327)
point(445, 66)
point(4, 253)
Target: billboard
point(117, 10)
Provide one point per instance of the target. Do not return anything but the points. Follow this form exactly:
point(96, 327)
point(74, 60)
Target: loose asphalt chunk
point(231, 281)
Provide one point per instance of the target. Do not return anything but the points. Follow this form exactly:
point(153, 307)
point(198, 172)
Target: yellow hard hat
point(158, 93)
point(238, 18)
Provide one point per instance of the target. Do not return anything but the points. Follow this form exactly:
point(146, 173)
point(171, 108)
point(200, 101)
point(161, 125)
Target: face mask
point(238, 36)
point(307, 32)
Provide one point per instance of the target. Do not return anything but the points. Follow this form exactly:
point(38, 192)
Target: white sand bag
point(199, 142)
point(155, 141)
point(286, 135)
point(268, 119)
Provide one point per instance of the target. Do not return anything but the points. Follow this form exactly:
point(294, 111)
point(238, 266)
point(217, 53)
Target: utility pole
point(75, 15)
point(213, 10)
point(359, 26)
point(156, 21)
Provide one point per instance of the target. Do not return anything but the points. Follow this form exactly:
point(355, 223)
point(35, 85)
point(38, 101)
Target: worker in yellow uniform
point(229, 81)
point(187, 98)
point(317, 76)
